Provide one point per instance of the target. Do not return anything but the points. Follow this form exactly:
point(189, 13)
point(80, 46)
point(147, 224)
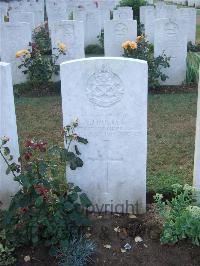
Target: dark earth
point(109, 244)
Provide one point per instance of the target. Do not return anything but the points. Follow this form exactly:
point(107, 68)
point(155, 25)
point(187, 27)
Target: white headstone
point(170, 38)
point(28, 17)
point(92, 27)
point(14, 37)
point(191, 2)
point(115, 33)
point(8, 128)
point(188, 16)
point(166, 11)
point(196, 180)
point(197, 3)
point(71, 33)
point(113, 94)
point(123, 13)
point(56, 15)
point(147, 18)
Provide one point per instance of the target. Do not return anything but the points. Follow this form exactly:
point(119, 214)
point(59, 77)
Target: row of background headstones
point(114, 173)
point(170, 34)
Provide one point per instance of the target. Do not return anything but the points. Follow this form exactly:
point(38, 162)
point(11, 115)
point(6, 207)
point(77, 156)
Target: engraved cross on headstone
point(104, 157)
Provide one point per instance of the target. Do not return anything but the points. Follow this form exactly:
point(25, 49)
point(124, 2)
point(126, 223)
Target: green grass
point(193, 63)
point(171, 133)
point(198, 33)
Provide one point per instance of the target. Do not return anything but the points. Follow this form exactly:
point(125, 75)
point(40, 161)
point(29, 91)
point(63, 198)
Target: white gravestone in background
point(28, 17)
point(115, 33)
point(92, 27)
point(108, 95)
point(196, 180)
point(147, 18)
point(14, 37)
point(123, 13)
point(8, 128)
point(188, 16)
point(71, 33)
point(166, 11)
point(170, 37)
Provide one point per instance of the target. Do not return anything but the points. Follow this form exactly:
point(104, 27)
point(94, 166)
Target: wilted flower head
point(4, 140)
point(139, 38)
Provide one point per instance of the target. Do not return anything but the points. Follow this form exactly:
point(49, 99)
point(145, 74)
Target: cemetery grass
point(171, 133)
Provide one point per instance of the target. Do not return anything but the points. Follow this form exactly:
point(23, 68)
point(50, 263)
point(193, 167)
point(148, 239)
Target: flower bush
point(42, 39)
point(181, 215)
point(38, 66)
point(142, 49)
point(45, 210)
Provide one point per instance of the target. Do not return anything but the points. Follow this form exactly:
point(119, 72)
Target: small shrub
point(76, 252)
point(45, 210)
point(193, 47)
point(42, 40)
point(38, 67)
point(181, 216)
point(142, 49)
point(6, 252)
point(94, 49)
point(193, 63)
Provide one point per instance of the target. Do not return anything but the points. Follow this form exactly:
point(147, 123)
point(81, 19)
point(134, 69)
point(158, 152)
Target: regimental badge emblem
point(104, 88)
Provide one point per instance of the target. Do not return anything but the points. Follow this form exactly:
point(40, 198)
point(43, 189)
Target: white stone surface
point(123, 13)
point(108, 95)
point(115, 33)
point(92, 27)
point(8, 128)
point(188, 16)
point(14, 37)
point(147, 18)
point(196, 180)
point(166, 11)
point(28, 17)
point(170, 37)
point(191, 2)
point(71, 33)
point(56, 15)
point(3, 13)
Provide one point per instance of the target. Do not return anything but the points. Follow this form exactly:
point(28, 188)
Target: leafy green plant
point(135, 4)
point(6, 252)
point(42, 39)
point(193, 63)
point(181, 216)
point(76, 252)
point(39, 67)
point(45, 211)
point(142, 49)
point(193, 47)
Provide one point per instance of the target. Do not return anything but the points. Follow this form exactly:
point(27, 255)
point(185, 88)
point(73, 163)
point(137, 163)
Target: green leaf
point(8, 170)
point(6, 151)
point(39, 201)
point(82, 140)
point(77, 150)
point(85, 200)
point(69, 206)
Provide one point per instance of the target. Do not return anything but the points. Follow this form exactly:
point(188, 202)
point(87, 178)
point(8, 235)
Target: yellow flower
point(61, 47)
point(133, 45)
point(126, 44)
point(139, 38)
point(129, 44)
point(22, 53)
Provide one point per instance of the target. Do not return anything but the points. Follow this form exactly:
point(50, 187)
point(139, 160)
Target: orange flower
point(22, 53)
point(133, 45)
point(62, 47)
